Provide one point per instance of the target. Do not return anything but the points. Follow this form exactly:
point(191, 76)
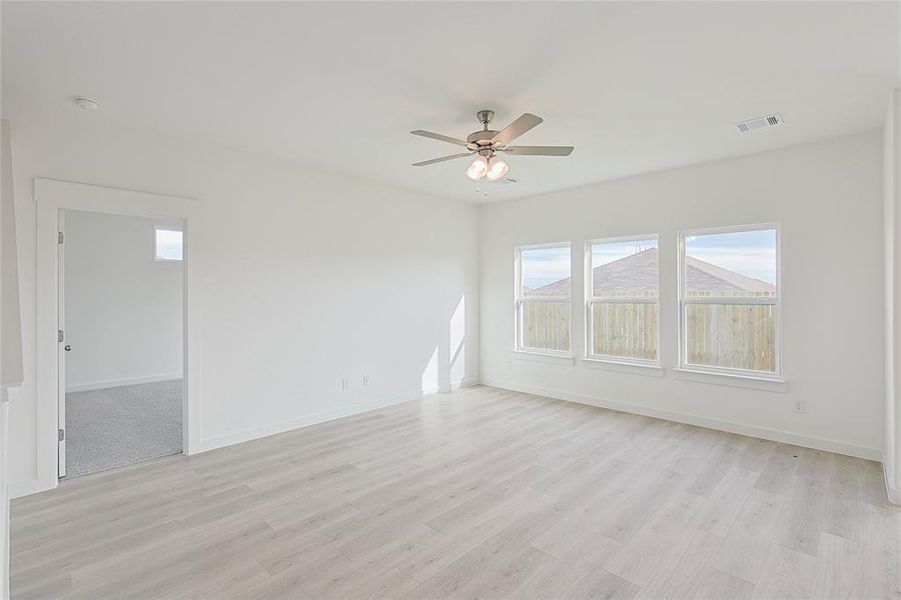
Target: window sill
point(623, 366)
point(753, 382)
point(545, 357)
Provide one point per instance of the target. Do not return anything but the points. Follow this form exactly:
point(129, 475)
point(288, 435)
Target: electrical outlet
point(798, 406)
point(365, 380)
point(343, 384)
point(509, 364)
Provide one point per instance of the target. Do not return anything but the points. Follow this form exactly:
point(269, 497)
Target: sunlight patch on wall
point(430, 373)
point(457, 339)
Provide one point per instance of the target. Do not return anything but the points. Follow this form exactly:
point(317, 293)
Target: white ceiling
point(635, 87)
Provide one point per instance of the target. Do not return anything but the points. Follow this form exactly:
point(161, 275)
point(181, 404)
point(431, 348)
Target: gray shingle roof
point(637, 273)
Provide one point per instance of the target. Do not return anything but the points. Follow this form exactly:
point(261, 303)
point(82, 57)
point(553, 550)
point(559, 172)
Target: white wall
point(11, 345)
point(305, 277)
point(892, 204)
point(11, 365)
point(827, 198)
point(123, 308)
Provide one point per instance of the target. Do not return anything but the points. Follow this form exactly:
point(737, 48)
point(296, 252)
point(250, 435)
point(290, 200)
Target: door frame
point(51, 196)
point(60, 347)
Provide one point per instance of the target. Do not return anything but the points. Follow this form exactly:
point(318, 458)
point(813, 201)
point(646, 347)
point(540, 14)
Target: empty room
point(414, 300)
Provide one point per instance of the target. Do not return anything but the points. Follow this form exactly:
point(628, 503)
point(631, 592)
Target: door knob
point(67, 347)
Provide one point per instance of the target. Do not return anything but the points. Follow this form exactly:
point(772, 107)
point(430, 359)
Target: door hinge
point(60, 336)
point(59, 237)
point(61, 435)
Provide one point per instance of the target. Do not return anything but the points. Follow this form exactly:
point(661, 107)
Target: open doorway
point(121, 315)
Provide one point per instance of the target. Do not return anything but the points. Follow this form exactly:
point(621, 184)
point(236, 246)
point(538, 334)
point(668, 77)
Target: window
point(622, 299)
point(168, 244)
point(543, 285)
point(730, 300)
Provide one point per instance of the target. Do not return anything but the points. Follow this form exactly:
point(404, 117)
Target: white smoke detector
point(87, 104)
point(759, 123)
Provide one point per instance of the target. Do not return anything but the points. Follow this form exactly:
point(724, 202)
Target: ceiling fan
point(487, 143)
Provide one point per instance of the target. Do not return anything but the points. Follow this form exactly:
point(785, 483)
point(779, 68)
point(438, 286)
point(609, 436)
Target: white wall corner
point(892, 229)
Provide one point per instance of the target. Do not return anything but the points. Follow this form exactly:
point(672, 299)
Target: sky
point(168, 244)
point(601, 254)
point(751, 253)
point(542, 266)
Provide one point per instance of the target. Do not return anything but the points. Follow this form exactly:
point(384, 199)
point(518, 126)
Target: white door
point(63, 344)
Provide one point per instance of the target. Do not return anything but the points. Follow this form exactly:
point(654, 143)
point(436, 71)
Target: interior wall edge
point(772, 435)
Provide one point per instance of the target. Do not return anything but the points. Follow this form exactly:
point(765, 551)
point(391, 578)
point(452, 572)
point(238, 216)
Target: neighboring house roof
point(637, 273)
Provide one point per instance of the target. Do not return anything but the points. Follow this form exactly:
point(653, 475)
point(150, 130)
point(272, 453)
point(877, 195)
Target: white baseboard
point(322, 417)
point(102, 385)
point(729, 426)
point(27, 488)
point(894, 494)
point(456, 385)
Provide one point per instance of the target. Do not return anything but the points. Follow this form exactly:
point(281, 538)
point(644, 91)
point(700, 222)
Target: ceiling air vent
point(759, 123)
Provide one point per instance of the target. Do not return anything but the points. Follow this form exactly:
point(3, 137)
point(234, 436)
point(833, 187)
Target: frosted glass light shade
point(478, 169)
point(497, 168)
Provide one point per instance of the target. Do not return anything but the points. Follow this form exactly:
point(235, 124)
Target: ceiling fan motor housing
point(484, 116)
point(482, 139)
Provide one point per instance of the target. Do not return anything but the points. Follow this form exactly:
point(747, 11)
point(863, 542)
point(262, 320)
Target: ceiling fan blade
point(515, 129)
point(439, 137)
point(442, 159)
point(539, 150)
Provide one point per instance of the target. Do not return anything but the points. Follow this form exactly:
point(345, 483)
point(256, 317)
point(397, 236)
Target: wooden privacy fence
point(627, 330)
point(737, 336)
point(546, 325)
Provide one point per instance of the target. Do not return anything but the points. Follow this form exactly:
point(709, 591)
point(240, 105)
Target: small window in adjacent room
point(168, 244)
point(730, 300)
point(543, 319)
point(622, 299)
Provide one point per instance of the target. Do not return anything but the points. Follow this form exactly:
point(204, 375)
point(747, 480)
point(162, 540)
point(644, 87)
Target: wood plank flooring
point(482, 493)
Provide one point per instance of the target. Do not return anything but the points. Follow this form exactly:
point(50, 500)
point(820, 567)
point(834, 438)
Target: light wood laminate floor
point(479, 493)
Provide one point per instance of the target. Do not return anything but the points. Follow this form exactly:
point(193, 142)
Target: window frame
point(519, 300)
point(156, 256)
point(775, 302)
point(591, 299)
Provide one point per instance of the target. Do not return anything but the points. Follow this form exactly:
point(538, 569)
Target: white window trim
point(590, 299)
point(549, 357)
point(619, 366)
point(159, 258)
point(518, 302)
point(751, 382)
point(776, 302)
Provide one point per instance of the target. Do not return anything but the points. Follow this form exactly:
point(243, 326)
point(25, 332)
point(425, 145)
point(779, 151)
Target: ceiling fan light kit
point(488, 142)
point(478, 169)
point(491, 169)
point(497, 168)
